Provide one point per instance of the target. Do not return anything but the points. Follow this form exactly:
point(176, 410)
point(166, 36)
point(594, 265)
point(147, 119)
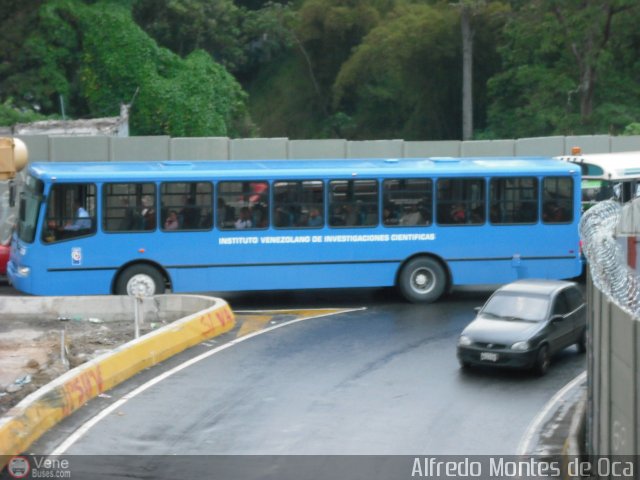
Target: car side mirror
point(477, 309)
point(556, 318)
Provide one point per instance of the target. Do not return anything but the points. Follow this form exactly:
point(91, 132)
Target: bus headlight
point(520, 346)
point(23, 271)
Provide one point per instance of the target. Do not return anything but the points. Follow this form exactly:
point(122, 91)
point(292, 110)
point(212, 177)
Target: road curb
point(44, 408)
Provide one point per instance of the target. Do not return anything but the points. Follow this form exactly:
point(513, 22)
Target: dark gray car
point(523, 324)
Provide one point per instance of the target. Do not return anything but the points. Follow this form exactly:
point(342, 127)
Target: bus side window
point(351, 201)
point(71, 212)
point(461, 201)
point(513, 200)
point(407, 201)
point(557, 200)
point(129, 207)
point(298, 204)
point(247, 201)
point(186, 206)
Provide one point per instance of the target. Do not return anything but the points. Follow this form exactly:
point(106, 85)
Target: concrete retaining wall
point(613, 418)
point(59, 148)
point(200, 318)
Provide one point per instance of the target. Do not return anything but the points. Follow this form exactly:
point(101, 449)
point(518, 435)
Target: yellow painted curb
point(34, 415)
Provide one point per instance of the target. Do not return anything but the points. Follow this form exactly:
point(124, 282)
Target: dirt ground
point(31, 352)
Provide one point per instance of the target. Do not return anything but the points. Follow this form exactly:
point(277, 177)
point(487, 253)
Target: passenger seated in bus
point(172, 223)
point(148, 213)
point(226, 214)
point(259, 215)
point(389, 216)
point(411, 216)
point(283, 217)
point(351, 215)
point(315, 219)
point(82, 220)
point(190, 214)
point(554, 213)
point(457, 213)
point(244, 221)
point(477, 215)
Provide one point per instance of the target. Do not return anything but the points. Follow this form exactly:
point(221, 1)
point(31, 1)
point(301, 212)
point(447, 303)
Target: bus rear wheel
point(422, 280)
point(142, 280)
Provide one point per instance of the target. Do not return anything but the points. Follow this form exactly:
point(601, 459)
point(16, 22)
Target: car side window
point(575, 298)
point(560, 305)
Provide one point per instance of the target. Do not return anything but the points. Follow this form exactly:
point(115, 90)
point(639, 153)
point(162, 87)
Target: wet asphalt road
point(378, 381)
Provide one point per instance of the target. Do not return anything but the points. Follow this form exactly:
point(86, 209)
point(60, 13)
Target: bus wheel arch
point(145, 277)
point(423, 278)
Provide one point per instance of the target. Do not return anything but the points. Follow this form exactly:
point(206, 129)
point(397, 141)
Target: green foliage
point(360, 69)
point(632, 129)
point(10, 114)
point(190, 97)
point(566, 70)
point(95, 55)
point(237, 37)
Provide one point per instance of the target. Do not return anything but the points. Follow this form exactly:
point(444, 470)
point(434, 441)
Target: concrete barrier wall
point(613, 418)
point(198, 318)
point(60, 148)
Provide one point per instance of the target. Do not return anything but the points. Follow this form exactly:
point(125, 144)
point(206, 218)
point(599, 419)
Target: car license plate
point(489, 356)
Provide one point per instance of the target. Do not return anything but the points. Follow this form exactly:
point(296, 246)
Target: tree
point(402, 81)
point(236, 36)
point(554, 57)
point(587, 30)
point(99, 58)
point(466, 13)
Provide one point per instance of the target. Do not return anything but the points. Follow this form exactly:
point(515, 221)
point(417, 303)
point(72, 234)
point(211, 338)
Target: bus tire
point(143, 279)
point(422, 280)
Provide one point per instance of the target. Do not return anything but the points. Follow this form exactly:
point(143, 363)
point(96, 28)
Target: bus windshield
point(30, 199)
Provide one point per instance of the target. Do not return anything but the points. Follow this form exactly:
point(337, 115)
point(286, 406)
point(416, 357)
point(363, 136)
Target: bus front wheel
point(422, 280)
point(140, 280)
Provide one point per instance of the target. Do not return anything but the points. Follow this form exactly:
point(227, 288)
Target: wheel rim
point(423, 280)
point(141, 285)
point(544, 360)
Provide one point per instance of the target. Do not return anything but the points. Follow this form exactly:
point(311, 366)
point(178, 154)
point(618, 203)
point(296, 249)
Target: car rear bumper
point(502, 358)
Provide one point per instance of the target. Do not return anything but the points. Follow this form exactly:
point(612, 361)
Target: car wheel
point(143, 280)
point(582, 343)
point(422, 280)
point(543, 360)
point(464, 365)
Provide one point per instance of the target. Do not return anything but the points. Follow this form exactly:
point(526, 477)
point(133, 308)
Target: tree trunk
point(467, 73)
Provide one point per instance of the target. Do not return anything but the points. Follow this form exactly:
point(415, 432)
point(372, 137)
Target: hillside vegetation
point(355, 69)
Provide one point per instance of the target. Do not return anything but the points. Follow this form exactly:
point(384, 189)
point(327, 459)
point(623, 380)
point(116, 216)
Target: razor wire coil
point(609, 271)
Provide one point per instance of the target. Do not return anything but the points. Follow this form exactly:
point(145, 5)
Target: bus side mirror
point(12, 194)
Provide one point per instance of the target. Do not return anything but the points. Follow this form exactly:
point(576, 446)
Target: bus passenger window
point(71, 212)
point(353, 203)
point(461, 201)
point(243, 205)
point(191, 204)
point(129, 207)
point(298, 204)
point(557, 200)
point(513, 200)
point(408, 201)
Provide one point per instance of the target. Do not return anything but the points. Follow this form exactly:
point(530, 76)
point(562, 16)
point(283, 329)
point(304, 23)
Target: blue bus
point(422, 225)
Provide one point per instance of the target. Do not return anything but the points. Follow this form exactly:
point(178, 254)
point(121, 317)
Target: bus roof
point(230, 169)
point(607, 166)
